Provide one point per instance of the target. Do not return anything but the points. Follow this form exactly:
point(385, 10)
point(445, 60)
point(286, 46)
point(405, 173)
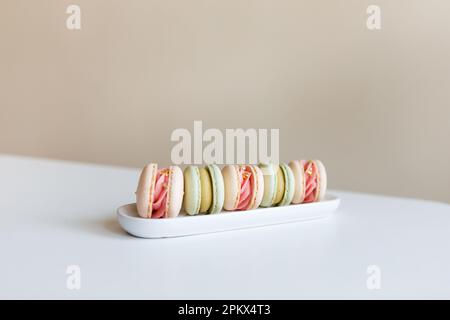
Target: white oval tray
point(185, 225)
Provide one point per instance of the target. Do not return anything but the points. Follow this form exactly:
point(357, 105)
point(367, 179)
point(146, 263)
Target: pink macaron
point(160, 192)
point(315, 180)
point(244, 187)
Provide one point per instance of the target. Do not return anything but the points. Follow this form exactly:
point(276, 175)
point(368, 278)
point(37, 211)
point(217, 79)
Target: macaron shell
point(192, 190)
point(289, 185)
point(206, 190)
point(230, 174)
point(270, 184)
point(259, 186)
point(175, 192)
point(322, 180)
point(298, 170)
point(217, 188)
point(144, 191)
point(280, 185)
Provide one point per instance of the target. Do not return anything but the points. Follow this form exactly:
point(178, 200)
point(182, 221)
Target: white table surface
point(55, 214)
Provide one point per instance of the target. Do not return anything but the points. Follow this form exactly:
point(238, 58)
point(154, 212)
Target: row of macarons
point(161, 193)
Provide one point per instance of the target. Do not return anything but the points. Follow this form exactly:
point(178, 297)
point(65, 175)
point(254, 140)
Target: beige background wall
point(373, 105)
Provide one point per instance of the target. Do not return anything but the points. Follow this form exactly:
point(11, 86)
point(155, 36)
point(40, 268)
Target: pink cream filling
point(160, 194)
point(247, 187)
point(311, 181)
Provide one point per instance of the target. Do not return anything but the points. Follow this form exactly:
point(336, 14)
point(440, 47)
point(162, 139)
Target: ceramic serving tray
point(185, 225)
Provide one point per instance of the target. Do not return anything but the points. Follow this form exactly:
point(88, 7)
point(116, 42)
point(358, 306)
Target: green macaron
point(289, 185)
point(192, 190)
point(270, 184)
point(218, 189)
point(279, 185)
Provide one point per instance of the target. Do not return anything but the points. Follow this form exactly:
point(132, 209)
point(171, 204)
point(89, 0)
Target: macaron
point(297, 167)
point(206, 194)
point(218, 189)
point(269, 172)
point(244, 187)
point(192, 190)
point(288, 182)
point(159, 193)
point(204, 190)
point(279, 185)
point(315, 180)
